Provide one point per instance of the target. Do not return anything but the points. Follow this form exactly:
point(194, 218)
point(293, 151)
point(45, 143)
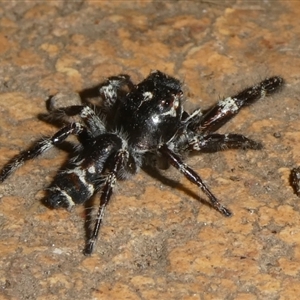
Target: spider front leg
point(111, 88)
point(41, 147)
point(227, 108)
point(216, 142)
point(118, 161)
point(88, 116)
point(192, 176)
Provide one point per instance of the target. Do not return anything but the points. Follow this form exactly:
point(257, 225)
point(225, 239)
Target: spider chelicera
point(137, 124)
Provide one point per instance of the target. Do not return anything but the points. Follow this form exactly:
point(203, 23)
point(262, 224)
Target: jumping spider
point(134, 127)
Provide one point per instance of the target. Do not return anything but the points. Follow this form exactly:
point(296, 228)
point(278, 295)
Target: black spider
point(138, 123)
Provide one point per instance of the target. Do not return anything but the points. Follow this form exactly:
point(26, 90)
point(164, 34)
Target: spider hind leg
point(192, 176)
point(117, 162)
point(40, 147)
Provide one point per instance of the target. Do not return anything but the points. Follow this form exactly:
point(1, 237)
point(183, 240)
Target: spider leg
point(88, 116)
point(111, 88)
point(216, 142)
point(192, 176)
point(110, 179)
point(227, 108)
point(40, 147)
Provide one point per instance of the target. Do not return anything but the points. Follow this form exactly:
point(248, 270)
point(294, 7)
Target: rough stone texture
point(159, 240)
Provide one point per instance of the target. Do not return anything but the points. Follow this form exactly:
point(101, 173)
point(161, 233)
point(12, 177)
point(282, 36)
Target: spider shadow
point(174, 184)
point(89, 205)
point(89, 94)
point(89, 97)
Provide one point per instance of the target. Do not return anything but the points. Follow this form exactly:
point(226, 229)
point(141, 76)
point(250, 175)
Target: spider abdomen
point(77, 183)
point(69, 188)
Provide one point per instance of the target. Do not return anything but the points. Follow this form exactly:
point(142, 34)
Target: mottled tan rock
point(157, 241)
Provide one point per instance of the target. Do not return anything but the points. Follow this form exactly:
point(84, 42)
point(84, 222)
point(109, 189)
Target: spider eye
point(166, 103)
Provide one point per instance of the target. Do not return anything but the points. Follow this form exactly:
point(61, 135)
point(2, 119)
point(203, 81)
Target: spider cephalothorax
point(148, 120)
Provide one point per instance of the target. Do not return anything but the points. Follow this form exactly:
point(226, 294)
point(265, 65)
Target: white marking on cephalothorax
point(147, 96)
point(176, 103)
point(172, 112)
point(155, 119)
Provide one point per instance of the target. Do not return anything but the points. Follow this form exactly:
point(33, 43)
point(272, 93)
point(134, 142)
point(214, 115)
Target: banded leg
point(106, 192)
point(112, 86)
point(192, 176)
point(227, 108)
point(40, 147)
point(216, 142)
point(88, 116)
